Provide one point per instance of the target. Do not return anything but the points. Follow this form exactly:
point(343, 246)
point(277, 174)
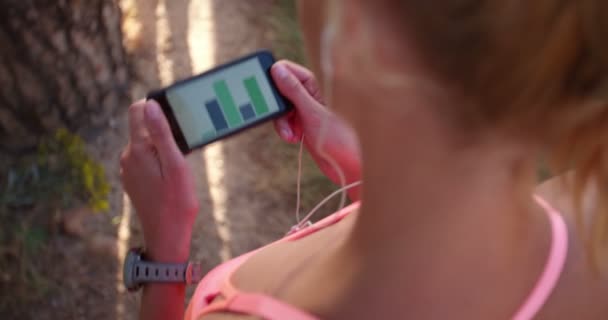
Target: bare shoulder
point(272, 270)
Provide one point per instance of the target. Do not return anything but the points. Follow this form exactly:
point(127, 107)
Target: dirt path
point(246, 184)
point(229, 174)
point(192, 36)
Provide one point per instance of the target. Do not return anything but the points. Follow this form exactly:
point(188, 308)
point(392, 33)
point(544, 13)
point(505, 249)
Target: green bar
point(227, 102)
point(257, 98)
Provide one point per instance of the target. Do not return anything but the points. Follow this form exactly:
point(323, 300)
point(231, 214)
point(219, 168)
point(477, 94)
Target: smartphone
point(222, 102)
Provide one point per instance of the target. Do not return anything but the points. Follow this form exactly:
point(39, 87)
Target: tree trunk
point(62, 64)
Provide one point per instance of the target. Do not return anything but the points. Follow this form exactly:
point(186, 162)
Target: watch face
point(128, 277)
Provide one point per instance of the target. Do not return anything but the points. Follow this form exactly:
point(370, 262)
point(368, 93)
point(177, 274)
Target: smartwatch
point(137, 271)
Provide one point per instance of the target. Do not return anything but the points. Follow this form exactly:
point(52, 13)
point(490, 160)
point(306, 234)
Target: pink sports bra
point(218, 281)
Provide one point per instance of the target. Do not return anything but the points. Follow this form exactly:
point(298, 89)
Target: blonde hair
point(535, 69)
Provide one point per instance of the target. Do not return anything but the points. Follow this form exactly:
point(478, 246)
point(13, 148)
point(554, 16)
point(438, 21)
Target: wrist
point(169, 249)
point(174, 255)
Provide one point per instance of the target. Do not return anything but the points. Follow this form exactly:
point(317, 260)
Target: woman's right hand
point(299, 85)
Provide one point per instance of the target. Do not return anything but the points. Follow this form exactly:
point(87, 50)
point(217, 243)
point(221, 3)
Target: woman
point(452, 104)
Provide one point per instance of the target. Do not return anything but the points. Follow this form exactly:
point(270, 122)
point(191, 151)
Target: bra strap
point(553, 267)
point(254, 304)
point(259, 305)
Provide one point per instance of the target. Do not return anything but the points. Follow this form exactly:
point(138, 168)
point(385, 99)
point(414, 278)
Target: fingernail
point(152, 110)
point(281, 71)
point(286, 133)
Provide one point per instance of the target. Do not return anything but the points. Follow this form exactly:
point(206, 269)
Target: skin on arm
point(159, 183)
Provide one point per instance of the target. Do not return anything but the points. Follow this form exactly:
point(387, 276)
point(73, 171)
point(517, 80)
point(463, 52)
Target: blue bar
point(216, 115)
point(247, 112)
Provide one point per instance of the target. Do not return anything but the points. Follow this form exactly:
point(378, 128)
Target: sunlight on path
point(163, 43)
point(133, 29)
point(214, 160)
point(201, 37)
point(201, 41)
point(200, 56)
point(122, 244)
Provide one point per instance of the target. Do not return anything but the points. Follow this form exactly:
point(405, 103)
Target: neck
point(441, 214)
point(420, 186)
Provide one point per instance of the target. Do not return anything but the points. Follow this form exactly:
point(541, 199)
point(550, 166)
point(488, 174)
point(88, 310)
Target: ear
point(344, 36)
point(370, 36)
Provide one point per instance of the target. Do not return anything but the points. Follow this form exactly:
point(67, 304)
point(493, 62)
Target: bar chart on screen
point(224, 112)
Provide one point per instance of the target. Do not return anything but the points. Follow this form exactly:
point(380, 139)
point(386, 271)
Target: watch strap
point(138, 271)
point(145, 271)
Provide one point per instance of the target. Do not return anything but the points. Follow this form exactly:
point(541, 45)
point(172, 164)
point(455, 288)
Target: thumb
point(291, 87)
point(160, 133)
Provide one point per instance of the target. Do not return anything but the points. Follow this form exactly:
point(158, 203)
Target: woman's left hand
point(160, 184)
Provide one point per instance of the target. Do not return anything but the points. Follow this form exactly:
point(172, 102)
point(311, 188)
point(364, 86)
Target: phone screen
point(222, 102)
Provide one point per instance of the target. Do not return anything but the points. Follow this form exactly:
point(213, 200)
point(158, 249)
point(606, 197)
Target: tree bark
point(62, 64)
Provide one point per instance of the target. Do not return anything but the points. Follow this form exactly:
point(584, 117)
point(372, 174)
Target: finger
point(289, 127)
point(137, 128)
point(171, 158)
point(306, 77)
point(284, 129)
point(291, 87)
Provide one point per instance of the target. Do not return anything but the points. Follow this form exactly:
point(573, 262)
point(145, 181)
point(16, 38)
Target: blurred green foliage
point(35, 190)
point(62, 175)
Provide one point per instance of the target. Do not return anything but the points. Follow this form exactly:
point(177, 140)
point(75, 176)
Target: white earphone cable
point(333, 194)
point(299, 181)
point(326, 65)
point(303, 222)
